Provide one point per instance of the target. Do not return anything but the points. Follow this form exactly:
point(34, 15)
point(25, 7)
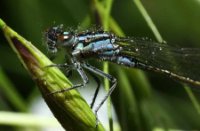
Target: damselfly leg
point(78, 68)
point(97, 88)
point(109, 77)
point(85, 81)
point(67, 68)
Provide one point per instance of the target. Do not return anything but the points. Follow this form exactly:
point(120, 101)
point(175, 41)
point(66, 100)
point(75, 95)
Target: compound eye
point(51, 39)
point(53, 33)
point(50, 35)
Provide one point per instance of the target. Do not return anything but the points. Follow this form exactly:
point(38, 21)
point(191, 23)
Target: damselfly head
point(53, 35)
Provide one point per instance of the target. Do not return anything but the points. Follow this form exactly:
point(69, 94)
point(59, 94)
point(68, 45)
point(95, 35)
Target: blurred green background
point(143, 100)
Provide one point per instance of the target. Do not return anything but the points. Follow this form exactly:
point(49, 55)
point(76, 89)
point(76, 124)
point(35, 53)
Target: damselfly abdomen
point(178, 63)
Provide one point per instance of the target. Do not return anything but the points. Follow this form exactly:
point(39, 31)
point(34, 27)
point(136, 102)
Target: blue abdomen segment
point(122, 60)
point(102, 45)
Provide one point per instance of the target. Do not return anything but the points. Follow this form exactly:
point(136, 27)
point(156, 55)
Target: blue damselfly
point(177, 63)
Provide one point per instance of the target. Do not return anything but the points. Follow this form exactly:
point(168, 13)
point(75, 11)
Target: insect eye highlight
point(68, 38)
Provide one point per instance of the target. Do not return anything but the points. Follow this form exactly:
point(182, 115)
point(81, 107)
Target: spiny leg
point(81, 73)
point(68, 68)
point(65, 65)
point(109, 77)
point(97, 89)
point(67, 89)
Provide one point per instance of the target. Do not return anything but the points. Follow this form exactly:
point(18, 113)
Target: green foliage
point(142, 100)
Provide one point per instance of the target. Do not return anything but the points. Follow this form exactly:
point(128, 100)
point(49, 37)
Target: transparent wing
point(181, 61)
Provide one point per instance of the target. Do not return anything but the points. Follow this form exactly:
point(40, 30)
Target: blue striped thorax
point(85, 42)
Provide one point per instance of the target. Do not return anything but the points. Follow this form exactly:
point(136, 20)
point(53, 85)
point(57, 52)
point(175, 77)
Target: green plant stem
point(105, 21)
point(11, 93)
point(105, 18)
point(106, 65)
point(148, 20)
point(2, 24)
point(69, 108)
point(23, 119)
point(192, 98)
point(107, 14)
